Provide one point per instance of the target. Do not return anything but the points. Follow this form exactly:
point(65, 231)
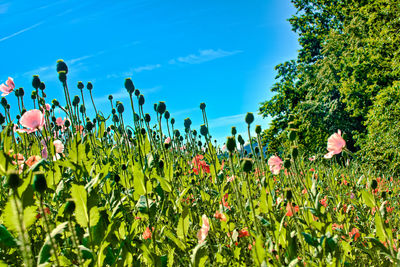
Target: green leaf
point(79, 195)
point(94, 216)
point(310, 240)
point(183, 225)
point(177, 241)
point(199, 255)
point(138, 180)
point(6, 238)
point(263, 201)
point(44, 254)
point(164, 184)
point(259, 256)
point(368, 199)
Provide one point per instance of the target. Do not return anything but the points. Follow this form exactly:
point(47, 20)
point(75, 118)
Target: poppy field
point(97, 191)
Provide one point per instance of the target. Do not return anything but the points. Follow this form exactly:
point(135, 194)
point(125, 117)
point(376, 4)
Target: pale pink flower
point(275, 164)
point(33, 120)
point(230, 178)
point(60, 122)
point(335, 144)
point(8, 87)
point(167, 140)
point(44, 152)
point(203, 232)
point(312, 158)
point(59, 146)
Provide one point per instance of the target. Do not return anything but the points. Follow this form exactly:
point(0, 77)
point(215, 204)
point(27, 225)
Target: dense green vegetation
point(346, 76)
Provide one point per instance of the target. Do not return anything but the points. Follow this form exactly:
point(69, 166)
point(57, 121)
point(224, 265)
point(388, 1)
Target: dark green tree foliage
point(348, 62)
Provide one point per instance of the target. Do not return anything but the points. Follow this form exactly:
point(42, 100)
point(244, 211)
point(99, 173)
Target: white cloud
point(21, 31)
point(204, 56)
point(147, 67)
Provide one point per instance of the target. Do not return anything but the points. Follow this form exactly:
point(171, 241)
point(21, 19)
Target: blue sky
point(222, 53)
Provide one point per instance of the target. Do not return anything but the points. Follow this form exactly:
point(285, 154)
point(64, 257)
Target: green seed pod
point(89, 125)
point(230, 143)
point(161, 107)
point(240, 140)
point(69, 208)
point(42, 86)
point(203, 130)
point(167, 115)
point(61, 66)
point(80, 85)
point(172, 121)
point(39, 183)
point(137, 92)
point(62, 76)
point(249, 118)
point(147, 117)
point(177, 133)
point(2, 118)
point(187, 122)
point(233, 130)
point(35, 82)
point(120, 108)
point(292, 135)
point(287, 163)
point(67, 123)
point(21, 92)
point(89, 86)
point(13, 180)
point(258, 129)
point(75, 101)
point(82, 109)
point(202, 106)
point(115, 118)
point(141, 100)
point(129, 86)
point(295, 152)
point(374, 184)
point(247, 165)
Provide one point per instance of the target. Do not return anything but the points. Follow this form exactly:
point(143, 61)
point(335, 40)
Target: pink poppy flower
point(312, 158)
point(167, 140)
point(60, 122)
point(147, 233)
point(335, 144)
point(220, 216)
point(59, 146)
point(47, 106)
point(33, 120)
point(203, 232)
point(275, 164)
point(8, 87)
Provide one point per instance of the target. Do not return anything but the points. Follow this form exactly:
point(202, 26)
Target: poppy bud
point(42, 86)
point(120, 108)
point(69, 207)
point(62, 76)
point(82, 109)
point(136, 117)
point(256, 150)
point(75, 101)
point(129, 133)
point(230, 143)
point(161, 107)
point(80, 85)
point(113, 111)
point(61, 66)
point(67, 123)
point(203, 130)
point(115, 118)
point(55, 102)
point(202, 106)
point(33, 95)
point(247, 165)
point(187, 122)
point(39, 183)
point(147, 117)
point(292, 135)
point(141, 100)
point(233, 130)
point(172, 121)
point(177, 133)
point(89, 126)
point(287, 163)
point(89, 86)
point(166, 115)
point(21, 92)
point(161, 164)
point(181, 138)
point(240, 140)
point(4, 102)
point(35, 82)
point(117, 178)
point(110, 97)
point(374, 184)
point(129, 86)
point(199, 143)
point(194, 133)
point(143, 131)
point(13, 180)
point(123, 167)
point(137, 92)
point(249, 118)
point(155, 107)
point(295, 152)
point(2, 118)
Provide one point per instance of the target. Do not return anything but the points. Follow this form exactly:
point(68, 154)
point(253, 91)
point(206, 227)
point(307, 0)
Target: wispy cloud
point(232, 120)
point(183, 111)
point(204, 56)
point(4, 8)
point(147, 67)
point(21, 31)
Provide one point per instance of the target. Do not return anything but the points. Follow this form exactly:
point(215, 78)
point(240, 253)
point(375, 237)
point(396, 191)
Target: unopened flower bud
point(292, 135)
point(258, 129)
point(187, 122)
point(120, 108)
point(69, 207)
point(61, 66)
point(39, 183)
point(203, 130)
point(233, 130)
point(161, 107)
point(287, 163)
point(247, 165)
point(172, 121)
point(110, 97)
point(42, 86)
point(230, 143)
point(167, 115)
point(89, 86)
point(35, 82)
point(80, 85)
point(374, 184)
point(202, 106)
point(13, 180)
point(129, 86)
point(295, 152)
point(62, 76)
point(137, 92)
point(141, 100)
